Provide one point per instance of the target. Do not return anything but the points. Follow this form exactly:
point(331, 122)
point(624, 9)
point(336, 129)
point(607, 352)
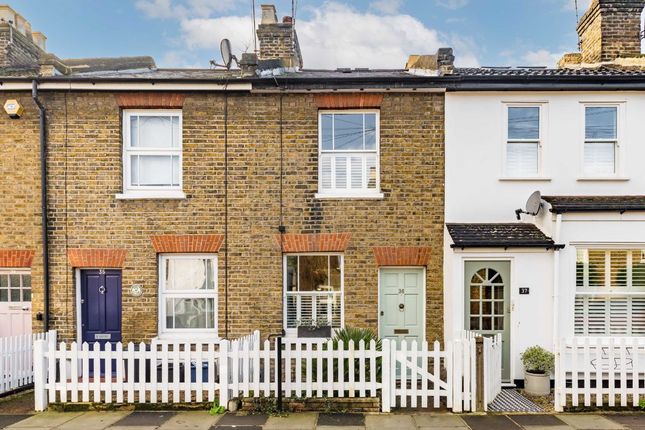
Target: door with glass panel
point(487, 294)
point(15, 302)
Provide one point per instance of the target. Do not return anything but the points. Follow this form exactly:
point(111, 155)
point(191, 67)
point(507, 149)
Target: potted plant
point(314, 328)
point(538, 366)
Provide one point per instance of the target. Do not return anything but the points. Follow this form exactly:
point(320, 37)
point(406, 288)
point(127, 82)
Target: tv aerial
point(227, 55)
point(533, 205)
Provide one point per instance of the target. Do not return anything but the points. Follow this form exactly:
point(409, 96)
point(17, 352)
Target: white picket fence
point(492, 368)
point(404, 375)
point(600, 371)
point(16, 360)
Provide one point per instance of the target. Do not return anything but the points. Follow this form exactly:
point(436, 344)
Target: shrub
point(538, 360)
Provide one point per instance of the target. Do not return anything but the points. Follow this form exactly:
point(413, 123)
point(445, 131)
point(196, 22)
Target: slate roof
point(562, 204)
point(605, 70)
point(84, 65)
point(495, 235)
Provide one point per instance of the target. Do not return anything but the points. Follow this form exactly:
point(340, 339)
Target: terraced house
point(204, 204)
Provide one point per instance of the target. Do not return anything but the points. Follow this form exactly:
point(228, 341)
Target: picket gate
point(492, 368)
point(16, 360)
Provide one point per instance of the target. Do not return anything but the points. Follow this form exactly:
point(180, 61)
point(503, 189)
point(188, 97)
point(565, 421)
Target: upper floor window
point(523, 141)
point(152, 155)
point(349, 154)
point(188, 294)
point(601, 141)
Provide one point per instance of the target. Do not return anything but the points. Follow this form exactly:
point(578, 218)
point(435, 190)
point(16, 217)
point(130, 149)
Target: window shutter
point(522, 159)
point(357, 172)
point(638, 316)
point(599, 158)
point(341, 172)
point(370, 164)
point(325, 173)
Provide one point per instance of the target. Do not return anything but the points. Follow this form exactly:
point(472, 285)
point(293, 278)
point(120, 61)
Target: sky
point(332, 33)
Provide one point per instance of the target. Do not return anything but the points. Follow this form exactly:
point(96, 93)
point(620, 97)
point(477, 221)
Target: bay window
point(348, 154)
point(610, 292)
point(523, 141)
point(188, 294)
point(601, 141)
point(152, 153)
point(313, 290)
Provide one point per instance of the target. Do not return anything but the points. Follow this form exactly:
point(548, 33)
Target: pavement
point(201, 420)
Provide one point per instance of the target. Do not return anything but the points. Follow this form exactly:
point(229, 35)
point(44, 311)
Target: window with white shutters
point(313, 290)
point(523, 141)
point(348, 154)
point(152, 152)
point(610, 292)
point(601, 141)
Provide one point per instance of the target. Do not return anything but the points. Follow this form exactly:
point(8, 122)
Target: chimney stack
point(610, 29)
point(19, 46)
point(278, 40)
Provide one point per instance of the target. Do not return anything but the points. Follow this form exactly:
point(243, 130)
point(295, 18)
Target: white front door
point(402, 304)
point(15, 302)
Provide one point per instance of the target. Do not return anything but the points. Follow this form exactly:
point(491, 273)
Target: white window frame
point(165, 333)
point(606, 291)
point(618, 145)
point(18, 271)
point(143, 192)
point(293, 332)
point(540, 174)
point(350, 193)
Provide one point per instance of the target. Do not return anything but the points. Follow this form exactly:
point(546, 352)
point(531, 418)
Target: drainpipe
point(43, 200)
point(556, 305)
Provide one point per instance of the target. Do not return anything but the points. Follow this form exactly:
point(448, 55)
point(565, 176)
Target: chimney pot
point(287, 20)
point(269, 15)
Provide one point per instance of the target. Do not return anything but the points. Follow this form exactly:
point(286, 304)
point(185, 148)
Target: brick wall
point(610, 29)
point(20, 218)
point(85, 174)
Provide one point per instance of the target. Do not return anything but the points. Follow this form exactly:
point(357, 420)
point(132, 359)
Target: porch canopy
point(496, 235)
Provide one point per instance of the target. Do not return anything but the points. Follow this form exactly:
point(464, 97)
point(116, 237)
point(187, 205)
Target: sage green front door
point(402, 304)
point(487, 297)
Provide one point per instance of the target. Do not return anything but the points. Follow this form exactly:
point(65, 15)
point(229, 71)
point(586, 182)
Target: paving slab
point(7, 420)
point(589, 422)
point(631, 421)
point(389, 422)
point(341, 420)
point(46, 420)
point(537, 420)
point(145, 419)
point(132, 427)
point(439, 421)
point(93, 420)
point(299, 421)
point(242, 420)
point(236, 427)
point(193, 420)
point(490, 422)
point(340, 427)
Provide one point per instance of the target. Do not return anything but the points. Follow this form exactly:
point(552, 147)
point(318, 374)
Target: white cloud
point(541, 57)
point(337, 35)
point(388, 7)
point(452, 4)
point(182, 9)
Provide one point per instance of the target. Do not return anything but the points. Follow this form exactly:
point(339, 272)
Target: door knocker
point(102, 289)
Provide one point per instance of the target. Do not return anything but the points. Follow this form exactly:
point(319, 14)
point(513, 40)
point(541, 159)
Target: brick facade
point(85, 175)
point(195, 243)
point(321, 242)
point(402, 256)
point(93, 257)
point(16, 257)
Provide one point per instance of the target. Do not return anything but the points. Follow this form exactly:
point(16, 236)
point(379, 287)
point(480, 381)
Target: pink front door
point(15, 302)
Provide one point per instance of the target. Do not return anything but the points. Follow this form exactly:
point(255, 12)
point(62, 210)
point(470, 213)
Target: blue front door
point(101, 306)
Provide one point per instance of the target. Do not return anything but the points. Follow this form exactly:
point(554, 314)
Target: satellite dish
point(533, 205)
point(227, 55)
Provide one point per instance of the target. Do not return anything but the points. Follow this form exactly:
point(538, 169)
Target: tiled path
point(311, 421)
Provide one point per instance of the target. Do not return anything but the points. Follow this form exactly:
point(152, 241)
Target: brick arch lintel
point(401, 255)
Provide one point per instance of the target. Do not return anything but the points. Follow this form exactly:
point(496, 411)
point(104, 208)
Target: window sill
point(602, 178)
point(524, 178)
point(187, 337)
point(364, 196)
point(151, 195)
